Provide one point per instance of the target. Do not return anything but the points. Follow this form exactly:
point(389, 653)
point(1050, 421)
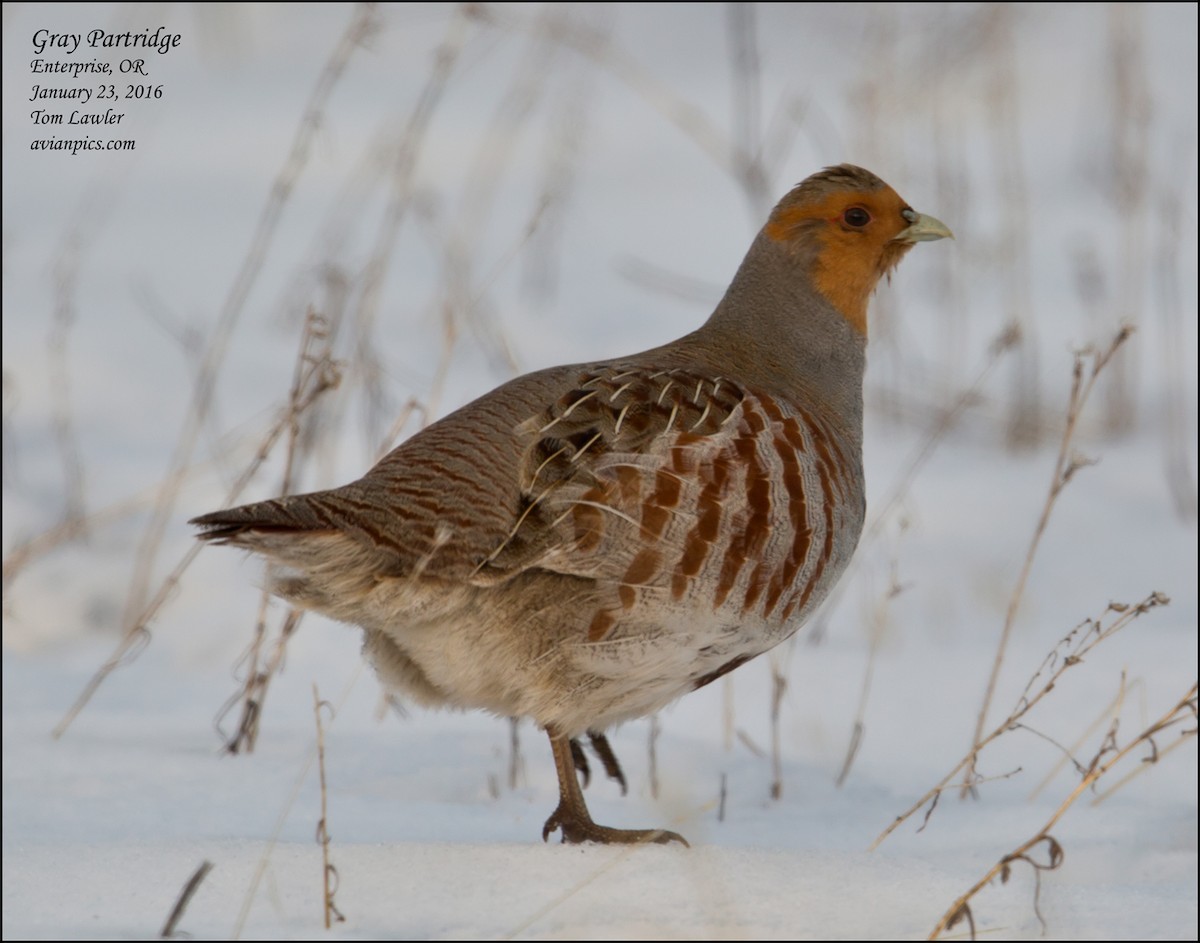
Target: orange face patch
point(848, 237)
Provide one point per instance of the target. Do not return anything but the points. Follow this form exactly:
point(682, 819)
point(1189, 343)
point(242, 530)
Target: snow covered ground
point(572, 197)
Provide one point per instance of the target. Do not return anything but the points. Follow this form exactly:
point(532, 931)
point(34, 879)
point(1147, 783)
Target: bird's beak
point(922, 229)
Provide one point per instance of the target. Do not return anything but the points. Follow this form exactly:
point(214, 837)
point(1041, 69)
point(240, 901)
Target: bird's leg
point(611, 766)
point(579, 758)
point(572, 815)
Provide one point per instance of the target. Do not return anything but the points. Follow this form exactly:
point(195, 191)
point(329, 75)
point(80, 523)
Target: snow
point(103, 826)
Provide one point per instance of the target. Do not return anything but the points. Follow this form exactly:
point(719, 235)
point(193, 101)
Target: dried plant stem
point(315, 350)
point(1065, 467)
point(139, 611)
point(329, 872)
point(1183, 711)
point(93, 211)
point(1177, 419)
point(1111, 710)
point(318, 377)
point(1004, 342)
point(285, 811)
point(1069, 652)
point(878, 629)
point(185, 898)
point(66, 437)
point(1129, 191)
point(73, 528)
point(1101, 795)
point(1012, 250)
point(361, 25)
point(937, 433)
point(594, 44)
point(400, 198)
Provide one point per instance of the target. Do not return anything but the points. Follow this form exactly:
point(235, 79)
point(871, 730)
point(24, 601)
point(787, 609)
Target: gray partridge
point(586, 543)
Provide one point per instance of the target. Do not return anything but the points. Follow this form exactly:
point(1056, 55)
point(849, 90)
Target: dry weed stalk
point(1136, 771)
point(1178, 423)
point(68, 270)
point(1111, 710)
point(1108, 756)
point(314, 373)
point(1001, 345)
point(317, 377)
point(1065, 467)
point(1004, 342)
point(1012, 259)
point(66, 437)
point(140, 608)
point(1128, 186)
point(1070, 651)
point(329, 872)
point(264, 859)
point(185, 898)
point(362, 24)
point(878, 627)
point(401, 174)
point(72, 528)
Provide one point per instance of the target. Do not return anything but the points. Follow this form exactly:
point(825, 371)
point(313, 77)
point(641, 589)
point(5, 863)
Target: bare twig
point(139, 610)
point(72, 528)
point(1183, 711)
point(362, 24)
point(1128, 188)
point(878, 629)
point(1178, 376)
point(400, 199)
point(319, 377)
point(314, 368)
point(1013, 261)
point(1069, 652)
point(329, 872)
point(1110, 711)
point(1005, 341)
point(66, 280)
point(185, 898)
point(1065, 467)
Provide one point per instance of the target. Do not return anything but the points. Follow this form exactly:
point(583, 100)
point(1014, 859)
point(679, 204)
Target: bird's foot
point(578, 828)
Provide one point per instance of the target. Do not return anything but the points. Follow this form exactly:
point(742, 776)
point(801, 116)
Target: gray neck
point(783, 336)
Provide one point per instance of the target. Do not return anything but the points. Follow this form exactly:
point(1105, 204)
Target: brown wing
point(688, 493)
point(608, 476)
point(557, 470)
point(439, 503)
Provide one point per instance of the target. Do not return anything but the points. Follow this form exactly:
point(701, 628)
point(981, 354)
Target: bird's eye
point(856, 216)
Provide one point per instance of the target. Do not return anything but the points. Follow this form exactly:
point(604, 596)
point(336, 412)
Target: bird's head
point(848, 229)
